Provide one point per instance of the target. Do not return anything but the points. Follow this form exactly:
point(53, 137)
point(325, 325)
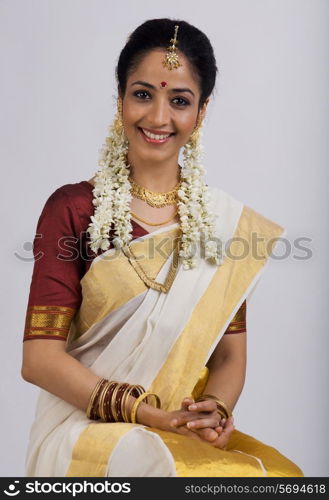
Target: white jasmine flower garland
point(112, 193)
point(197, 220)
point(112, 197)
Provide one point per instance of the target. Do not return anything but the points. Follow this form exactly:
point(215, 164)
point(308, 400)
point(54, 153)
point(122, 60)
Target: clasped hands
point(201, 421)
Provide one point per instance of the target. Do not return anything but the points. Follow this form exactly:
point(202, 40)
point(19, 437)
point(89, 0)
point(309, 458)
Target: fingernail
point(190, 424)
point(173, 423)
point(192, 407)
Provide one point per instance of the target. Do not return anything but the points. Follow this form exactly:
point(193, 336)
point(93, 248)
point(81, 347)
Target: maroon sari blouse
point(61, 258)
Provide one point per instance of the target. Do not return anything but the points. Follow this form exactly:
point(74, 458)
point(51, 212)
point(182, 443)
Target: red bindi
point(163, 84)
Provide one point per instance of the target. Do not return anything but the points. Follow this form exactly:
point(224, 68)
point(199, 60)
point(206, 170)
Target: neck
point(160, 177)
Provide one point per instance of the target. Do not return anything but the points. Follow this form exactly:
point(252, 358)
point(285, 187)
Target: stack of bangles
point(108, 401)
point(222, 408)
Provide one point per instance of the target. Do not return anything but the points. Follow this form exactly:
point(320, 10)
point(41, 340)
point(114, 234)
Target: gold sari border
point(94, 446)
point(226, 289)
point(48, 322)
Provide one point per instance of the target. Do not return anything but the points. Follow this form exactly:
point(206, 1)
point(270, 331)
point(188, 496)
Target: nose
point(159, 113)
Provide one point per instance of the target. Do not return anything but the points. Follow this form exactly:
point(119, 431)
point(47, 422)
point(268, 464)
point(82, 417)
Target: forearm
point(226, 380)
point(60, 374)
point(65, 377)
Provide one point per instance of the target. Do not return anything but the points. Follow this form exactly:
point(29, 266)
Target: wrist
point(149, 415)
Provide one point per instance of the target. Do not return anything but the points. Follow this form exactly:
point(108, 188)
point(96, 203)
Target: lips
point(154, 139)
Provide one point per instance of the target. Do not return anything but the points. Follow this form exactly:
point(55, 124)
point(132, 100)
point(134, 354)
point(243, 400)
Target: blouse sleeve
point(238, 323)
point(55, 290)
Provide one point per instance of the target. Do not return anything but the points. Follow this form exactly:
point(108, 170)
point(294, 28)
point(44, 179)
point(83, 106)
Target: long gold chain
point(160, 287)
point(152, 223)
point(153, 198)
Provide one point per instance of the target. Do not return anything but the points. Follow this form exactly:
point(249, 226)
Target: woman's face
point(149, 107)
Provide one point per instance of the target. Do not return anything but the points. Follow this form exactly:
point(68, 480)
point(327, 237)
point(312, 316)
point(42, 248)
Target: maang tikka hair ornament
point(112, 198)
point(171, 60)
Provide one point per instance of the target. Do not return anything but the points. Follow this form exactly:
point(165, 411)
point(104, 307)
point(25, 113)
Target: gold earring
point(119, 105)
point(196, 132)
point(118, 119)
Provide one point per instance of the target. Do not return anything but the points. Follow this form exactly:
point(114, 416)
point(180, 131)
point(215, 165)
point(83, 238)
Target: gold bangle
point(135, 407)
point(113, 408)
point(157, 400)
point(220, 409)
point(101, 408)
point(92, 397)
point(219, 403)
point(221, 414)
point(124, 401)
point(108, 410)
point(137, 403)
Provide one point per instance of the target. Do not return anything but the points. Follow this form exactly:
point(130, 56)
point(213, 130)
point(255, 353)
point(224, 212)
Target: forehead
point(151, 69)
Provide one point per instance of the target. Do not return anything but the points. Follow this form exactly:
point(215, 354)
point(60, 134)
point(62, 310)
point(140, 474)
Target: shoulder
point(71, 198)
point(75, 193)
point(69, 204)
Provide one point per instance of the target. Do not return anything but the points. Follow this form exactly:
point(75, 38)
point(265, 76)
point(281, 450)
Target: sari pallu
point(127, 332)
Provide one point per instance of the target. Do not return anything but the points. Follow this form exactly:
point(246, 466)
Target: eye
point(140, 92)
point(183, 102)
point(145, 95)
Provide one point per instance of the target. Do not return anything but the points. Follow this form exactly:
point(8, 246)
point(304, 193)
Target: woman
point(141, 276)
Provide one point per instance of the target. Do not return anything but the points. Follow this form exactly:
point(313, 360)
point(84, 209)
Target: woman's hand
point(174, 421)
point(205, 419)
point(209, 426)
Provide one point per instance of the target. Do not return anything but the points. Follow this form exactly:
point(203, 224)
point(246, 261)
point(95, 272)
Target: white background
point(265, 144)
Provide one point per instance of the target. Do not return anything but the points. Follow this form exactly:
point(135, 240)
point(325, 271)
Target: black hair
point(156, 33)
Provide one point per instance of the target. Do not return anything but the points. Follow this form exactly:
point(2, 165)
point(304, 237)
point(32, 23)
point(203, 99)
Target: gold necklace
point(153, 198)
point(151, 283)
point(152, 223)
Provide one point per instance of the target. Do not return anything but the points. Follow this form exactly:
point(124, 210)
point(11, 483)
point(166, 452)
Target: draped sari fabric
point(127, 332)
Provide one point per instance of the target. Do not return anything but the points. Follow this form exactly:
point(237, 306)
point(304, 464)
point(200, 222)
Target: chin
point(148, 153)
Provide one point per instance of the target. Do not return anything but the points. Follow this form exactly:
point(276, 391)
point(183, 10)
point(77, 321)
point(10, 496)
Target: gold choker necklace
point(153, 198)
point(154, 223)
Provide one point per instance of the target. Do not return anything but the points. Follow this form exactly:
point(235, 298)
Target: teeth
point(153, 136)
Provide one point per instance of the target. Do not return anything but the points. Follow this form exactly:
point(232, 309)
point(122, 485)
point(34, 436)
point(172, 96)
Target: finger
point(222, 441)
point(208, 434)
point(209, 405)
point(183, 417)
point(229, 427)
point(186, 432)
point(186, 402)
point(191, 400)
point(202, 423)
point(223, 438)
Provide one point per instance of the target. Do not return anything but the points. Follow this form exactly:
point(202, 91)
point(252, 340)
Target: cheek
point(129, 117)
point(131, 113)
point(187, 122)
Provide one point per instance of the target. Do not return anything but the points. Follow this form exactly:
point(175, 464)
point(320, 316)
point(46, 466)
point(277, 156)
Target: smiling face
point(152, 110)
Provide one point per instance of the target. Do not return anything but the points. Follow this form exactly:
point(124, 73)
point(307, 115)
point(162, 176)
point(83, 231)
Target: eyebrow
point(150, 86)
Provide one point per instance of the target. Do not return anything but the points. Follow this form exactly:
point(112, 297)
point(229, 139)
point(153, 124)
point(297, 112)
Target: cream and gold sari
point(128, 332)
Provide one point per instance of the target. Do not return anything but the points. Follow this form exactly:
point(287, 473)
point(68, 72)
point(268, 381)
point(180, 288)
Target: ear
point(202, 112)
